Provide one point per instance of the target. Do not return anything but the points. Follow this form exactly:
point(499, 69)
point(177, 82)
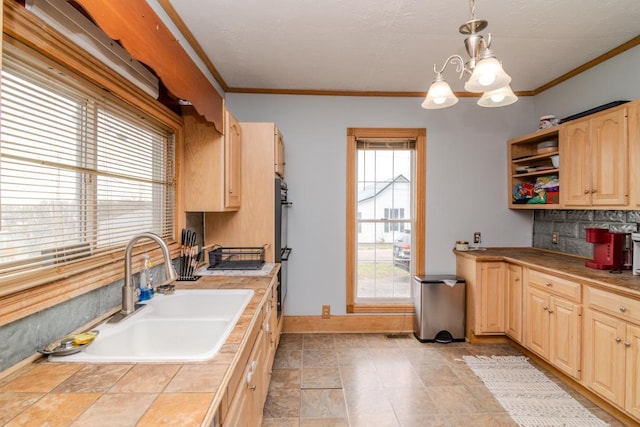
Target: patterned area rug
point(531, 399)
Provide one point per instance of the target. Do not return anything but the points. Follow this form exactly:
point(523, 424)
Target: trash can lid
point(438, 278)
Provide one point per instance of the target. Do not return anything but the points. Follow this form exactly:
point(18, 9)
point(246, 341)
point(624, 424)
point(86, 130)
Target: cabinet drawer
point(614, 304)
point(555, 285)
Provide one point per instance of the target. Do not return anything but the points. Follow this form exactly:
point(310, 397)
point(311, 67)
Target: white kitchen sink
point(189, 325)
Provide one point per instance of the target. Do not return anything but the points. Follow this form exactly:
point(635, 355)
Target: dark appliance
point(608, 249)
point(281, 248)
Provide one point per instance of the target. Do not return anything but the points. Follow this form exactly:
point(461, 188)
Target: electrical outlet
point(326, 311)
point(555, 237)
point(476, 237)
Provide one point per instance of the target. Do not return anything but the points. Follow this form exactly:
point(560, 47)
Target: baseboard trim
point(398, 323)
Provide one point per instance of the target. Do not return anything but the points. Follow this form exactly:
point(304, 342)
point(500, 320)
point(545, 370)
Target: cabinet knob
point(252, 388)
point(550, 311)
point(595, 190)
point(623, 308)
point(548, 284)
point(586, 191)
point(627, 344)
point(517, 279)
point(545, 308)
point(618, 339)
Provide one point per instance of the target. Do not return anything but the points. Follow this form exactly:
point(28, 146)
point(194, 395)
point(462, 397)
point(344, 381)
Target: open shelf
point(523, 153)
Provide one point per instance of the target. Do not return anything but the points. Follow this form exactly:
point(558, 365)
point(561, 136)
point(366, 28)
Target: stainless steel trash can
point(439, 302)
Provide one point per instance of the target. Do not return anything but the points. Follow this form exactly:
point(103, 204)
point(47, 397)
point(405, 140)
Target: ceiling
point(392, 45)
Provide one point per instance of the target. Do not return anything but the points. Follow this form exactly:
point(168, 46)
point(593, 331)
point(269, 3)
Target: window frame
point(34, 293)
point(353, 134)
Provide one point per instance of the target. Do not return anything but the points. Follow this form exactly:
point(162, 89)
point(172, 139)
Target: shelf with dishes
point(534, 173)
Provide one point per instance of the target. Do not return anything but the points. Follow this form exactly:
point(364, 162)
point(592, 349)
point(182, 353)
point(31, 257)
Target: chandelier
point(486, 72)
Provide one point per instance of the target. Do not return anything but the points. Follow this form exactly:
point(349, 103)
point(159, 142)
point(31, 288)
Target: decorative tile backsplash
point(571, 225)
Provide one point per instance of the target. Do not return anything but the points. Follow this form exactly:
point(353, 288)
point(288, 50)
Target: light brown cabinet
point(526, 164)
point(247, 394)
point(485, 295)
point(213, 168)
point(513, 300)
point(254, 224)
point(554, 320)
point(633, 121)
point(612, 348)
point(247, 403)
point(593, 158)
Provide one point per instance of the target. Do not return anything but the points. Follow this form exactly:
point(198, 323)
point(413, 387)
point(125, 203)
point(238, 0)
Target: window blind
point(81, 172)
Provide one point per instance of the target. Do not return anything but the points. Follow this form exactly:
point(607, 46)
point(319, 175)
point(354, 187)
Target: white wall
point(613, 80)
point(466, 180)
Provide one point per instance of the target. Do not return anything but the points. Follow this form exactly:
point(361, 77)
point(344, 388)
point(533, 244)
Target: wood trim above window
point(143, 34)
point(379, 134)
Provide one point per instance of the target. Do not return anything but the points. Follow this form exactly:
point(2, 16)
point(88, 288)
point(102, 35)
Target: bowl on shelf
point(555, 161)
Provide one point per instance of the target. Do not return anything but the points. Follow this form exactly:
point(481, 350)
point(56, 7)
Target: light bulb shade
point(439, 95)
point(487, 75)
point(498, 98)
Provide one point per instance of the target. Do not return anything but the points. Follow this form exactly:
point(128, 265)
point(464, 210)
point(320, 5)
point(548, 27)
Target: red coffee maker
point(608, 249)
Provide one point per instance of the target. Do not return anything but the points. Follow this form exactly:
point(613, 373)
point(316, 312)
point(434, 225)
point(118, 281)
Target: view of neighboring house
point(383, 200)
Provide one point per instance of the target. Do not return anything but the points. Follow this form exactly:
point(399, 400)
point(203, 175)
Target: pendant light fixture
point(486, 72)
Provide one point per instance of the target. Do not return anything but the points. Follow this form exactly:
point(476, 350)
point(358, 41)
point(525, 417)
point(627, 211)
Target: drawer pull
point(618, 339)
point(627, 344)
point(623, 308)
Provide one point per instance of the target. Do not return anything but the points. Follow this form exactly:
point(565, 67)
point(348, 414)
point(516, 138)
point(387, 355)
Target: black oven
point(281, 248)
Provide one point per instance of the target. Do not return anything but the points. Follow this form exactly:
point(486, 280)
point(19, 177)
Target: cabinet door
point(232, 161)
point(632, 391)
point(575, 164)
point(537, 336)
point(609, 158)
point(492, 297)
point(246, 405)
point(604, 356)
point(565, 335)
point(513, 321)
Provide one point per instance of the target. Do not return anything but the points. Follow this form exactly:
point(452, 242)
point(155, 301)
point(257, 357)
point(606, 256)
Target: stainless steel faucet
point(129, 305)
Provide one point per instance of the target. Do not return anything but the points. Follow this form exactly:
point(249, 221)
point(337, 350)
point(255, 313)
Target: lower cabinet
point(248, 401)
point(247, 395)
point(554, 323)
point(513, 301)
point(612, 349)
point(590, 333)
point(485, 295)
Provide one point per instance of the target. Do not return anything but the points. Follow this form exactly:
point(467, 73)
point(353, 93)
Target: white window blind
point(80, 171)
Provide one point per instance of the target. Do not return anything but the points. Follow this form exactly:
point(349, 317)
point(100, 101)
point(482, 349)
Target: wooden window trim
point(420, 136)
point(23, 29)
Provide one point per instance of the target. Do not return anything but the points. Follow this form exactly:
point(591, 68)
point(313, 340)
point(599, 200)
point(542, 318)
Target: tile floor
point(333, 380)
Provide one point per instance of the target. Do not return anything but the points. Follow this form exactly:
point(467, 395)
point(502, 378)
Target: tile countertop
point(132, 394)
point(563, 264)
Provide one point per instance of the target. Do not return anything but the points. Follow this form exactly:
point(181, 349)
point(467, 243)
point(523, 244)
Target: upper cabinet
point(593, 166)
point(533, 170)
point(633, 121)
point(594, 160)
point(212, 172)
